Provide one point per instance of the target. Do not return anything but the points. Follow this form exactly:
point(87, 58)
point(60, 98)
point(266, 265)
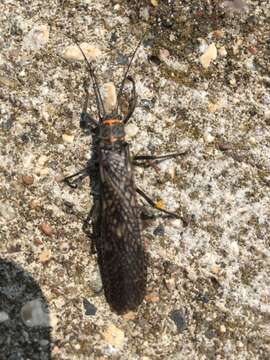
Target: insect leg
point(74, 180)
point(94, 217)
point(148, 160)
point(133, 100)
point(153, 204)
point(159, 157)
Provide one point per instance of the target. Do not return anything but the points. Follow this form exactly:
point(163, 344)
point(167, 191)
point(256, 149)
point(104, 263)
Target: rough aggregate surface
point(208, 293)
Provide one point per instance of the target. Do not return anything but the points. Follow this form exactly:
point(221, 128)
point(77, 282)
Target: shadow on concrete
point(24, 317)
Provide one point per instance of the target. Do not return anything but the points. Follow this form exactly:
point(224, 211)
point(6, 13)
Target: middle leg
point(74, 180)
point(153, 204)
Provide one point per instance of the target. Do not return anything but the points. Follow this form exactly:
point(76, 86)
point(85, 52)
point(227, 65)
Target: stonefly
point(115, 215)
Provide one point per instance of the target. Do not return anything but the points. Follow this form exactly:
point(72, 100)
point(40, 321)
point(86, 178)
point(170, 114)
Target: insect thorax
point(112, 130)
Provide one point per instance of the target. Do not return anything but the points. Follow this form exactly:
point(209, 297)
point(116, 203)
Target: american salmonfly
point(115, 215)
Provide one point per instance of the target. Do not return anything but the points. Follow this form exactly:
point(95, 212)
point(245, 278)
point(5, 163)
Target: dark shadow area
point(24, 317)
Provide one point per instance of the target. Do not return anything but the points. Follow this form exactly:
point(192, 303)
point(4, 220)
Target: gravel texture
point(208, 291)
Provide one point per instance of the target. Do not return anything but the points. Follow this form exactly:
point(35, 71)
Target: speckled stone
point(33, 314)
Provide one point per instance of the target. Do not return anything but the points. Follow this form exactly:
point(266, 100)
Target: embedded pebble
point(114, 336)
point(131, 315)
point(36, 38)
point(33, 314)
point(252, 50)
point(68, 138)
point(212, 107)
point(64, 247)
point(152, 298)
point(222, 329)
point(209, 55)
point(3, 316)
point(44, 342)
point(89, 308)
point(34, 204)
point(38, 242)
point(72, 52)
point(164, 54)
point(179, 320)
point(222, 51)
point(122, 59)
point(235, 6)
point(170, 284)
point(7, 211)
point(203, 45)
point(147, 104)
point(96, 282)
point(224, 146)
point(45, 256)
point(250, 64)
point(2, 60)
point(215, 269)
point(208, 138)
point(218, 34)
point(131, 130)
point(267, 114)
point(154, 2)
point(27, 179)
point(234, 249)
point(8, 82)
point(46, 229)
point(109, 96)
point(159, 230)
point(144, 13)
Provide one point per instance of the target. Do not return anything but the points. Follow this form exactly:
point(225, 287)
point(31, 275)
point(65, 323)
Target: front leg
point(75, 180)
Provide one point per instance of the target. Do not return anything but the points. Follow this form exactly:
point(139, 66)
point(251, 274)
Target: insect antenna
point(119, 94)
point(95, 82)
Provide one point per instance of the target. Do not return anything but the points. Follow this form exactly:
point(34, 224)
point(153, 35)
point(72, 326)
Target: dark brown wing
point(120, 248)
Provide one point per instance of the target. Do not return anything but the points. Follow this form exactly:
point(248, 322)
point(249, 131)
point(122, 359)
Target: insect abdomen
point(120, 249)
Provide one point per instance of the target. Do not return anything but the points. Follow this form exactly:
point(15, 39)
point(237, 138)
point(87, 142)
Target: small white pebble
point(208, 138)
point(7, 211)
point(267, 114)
point(234, 248)
point(72, 52)
point(144, 13)
point(3, 316)
point(222, 51)
point(222, 329)
point(33, 314)
point(36, 38)
point(131, 130)
point(252, 140)
point(203, 45)
point(233, 81)
point(68, 138)
point(114, 336)
point(109, 96)
point(209, 55)
point(250, 64)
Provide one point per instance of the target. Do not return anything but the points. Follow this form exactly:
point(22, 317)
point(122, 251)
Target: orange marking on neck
point(112, 121)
